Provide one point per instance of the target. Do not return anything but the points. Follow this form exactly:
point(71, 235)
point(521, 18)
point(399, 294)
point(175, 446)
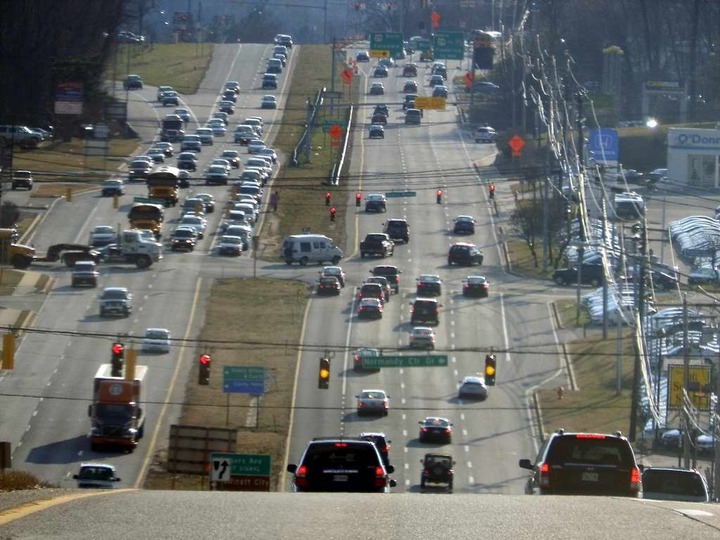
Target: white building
point(694, 156)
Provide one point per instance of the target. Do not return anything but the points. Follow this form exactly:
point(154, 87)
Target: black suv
point(437, 470)
point(381, 442)
point(429, 285)
point(589, 274)
point(397, 229)
point(391, 273)
point(425, 311)
point(584, 464)
point(341, 465)
point(464, 254)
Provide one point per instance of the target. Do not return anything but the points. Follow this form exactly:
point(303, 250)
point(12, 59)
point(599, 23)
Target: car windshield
point(590, 450)
point(114, 295)
point(96, 473)
point(156, 334)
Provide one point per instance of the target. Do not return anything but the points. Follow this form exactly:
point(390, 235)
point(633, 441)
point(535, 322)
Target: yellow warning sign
point(379, 54)
point(699, 387)
point(437, 103)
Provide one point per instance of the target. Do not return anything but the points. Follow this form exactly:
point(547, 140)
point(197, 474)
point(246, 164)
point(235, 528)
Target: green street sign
point(449, 45)
point(397, 194)
point(423, 45)
point(376, 362)
point(237, 373)
point(225, 465)
point(392, 42)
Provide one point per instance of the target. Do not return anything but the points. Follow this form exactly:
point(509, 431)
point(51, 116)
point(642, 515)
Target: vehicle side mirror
point(75, 476)
point(116, 479)
point(390, 469)
point(393, 483)
point(526, 464)
point(291, 467)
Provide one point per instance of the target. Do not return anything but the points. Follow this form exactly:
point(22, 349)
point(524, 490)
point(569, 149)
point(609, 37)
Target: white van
point(302, 248)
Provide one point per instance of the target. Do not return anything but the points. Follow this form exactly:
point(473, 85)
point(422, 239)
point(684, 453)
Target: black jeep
point(437, 470)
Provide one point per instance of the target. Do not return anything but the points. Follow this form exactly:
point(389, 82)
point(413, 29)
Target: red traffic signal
point(204, 361)
point(117, 349)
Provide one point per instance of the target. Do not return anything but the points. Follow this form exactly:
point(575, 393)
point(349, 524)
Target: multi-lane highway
point(488, 437)
point(44, 401)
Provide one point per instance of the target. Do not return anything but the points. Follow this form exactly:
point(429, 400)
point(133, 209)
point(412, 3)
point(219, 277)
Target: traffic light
point(324, 374)
point(204, 362)
point(490, 369)
point(116, 359)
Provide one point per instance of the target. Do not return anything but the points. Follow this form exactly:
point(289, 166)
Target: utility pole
point(605, 281)
point(638, 343)
point(686, 385)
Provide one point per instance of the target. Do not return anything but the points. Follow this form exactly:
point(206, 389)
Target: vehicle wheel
point(335, 259)
point(560, 281)
point(449, 261)
point(303, 261)
point(362, 254)
point(141, 431)
point(288, 261)
point(20, 262)
point(422, 484)
point(142, 262)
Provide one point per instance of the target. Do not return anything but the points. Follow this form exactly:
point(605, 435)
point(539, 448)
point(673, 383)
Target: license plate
point(589, 477)
point(340, 478)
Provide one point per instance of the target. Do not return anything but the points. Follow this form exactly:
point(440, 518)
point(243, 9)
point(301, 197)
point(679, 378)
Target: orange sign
point(335, 131)
point(346, 75)
point(516, 144)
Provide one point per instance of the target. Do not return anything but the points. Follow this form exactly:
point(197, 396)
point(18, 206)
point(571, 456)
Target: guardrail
point(338, 167)
point(304, 142)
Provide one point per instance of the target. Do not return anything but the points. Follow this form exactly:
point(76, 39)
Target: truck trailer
point(117, 412)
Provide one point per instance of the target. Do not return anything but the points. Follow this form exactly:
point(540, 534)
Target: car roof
point(429, 277)
point(473, 379)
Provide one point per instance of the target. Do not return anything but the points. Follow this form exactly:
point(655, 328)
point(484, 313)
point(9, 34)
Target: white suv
point(485, 134)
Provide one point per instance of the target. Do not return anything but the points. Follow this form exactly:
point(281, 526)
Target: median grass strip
point(302, 189)
point(248, 322)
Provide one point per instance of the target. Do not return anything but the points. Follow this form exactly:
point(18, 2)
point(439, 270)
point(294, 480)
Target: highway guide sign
point(449, 45)
point(244, 380)
point(386, 44)
point(240, 472)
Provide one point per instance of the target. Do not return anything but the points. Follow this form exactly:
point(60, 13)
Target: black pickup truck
point(378, 244)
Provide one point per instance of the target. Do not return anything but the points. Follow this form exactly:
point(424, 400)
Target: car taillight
point(380, 480)
point(360, 404)
point(424, 430)
point(300, 476)
point(544, 475)
point(635, 479)
point(356, 359)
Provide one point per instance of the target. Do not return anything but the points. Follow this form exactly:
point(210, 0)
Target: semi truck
point(147, 216)
point(21, 256)
point(132, 248)
point(117, 413)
